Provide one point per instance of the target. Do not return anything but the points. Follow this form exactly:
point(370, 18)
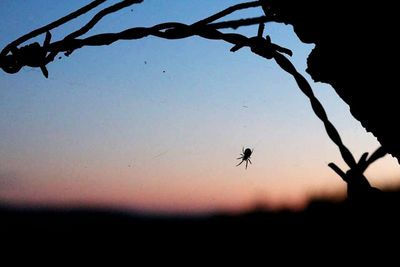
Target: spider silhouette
point(245, 156)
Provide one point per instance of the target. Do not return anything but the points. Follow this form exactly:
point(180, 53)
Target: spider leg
point(249, 161)
point(240, 158)
point(240, 163)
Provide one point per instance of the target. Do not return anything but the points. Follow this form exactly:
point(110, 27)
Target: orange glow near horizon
point(156, 125)
point(168, 190)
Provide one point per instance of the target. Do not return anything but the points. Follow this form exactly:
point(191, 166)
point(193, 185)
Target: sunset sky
point(156, 125)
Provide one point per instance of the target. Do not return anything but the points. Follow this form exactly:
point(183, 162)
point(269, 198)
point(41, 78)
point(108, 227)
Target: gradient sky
point(106, 129)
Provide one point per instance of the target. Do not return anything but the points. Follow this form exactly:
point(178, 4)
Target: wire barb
point(207, 28)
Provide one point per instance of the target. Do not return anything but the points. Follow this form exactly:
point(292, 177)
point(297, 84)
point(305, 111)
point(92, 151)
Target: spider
point(245, 156)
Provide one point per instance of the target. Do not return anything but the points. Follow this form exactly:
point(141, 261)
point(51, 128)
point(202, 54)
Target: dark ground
point(323, 225)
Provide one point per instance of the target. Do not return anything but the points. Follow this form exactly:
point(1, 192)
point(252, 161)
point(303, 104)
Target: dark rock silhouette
point(354, 53)
point(359, 189)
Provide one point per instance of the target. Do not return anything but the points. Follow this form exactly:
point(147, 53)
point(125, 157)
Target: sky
point(156, 125)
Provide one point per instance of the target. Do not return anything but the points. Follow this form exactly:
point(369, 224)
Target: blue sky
point(157, 125)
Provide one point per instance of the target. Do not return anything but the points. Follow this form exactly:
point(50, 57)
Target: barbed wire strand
point(96, 18)
point(208, 29)
point(51, 26)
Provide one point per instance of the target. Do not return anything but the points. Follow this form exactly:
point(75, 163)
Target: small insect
point(245, 156)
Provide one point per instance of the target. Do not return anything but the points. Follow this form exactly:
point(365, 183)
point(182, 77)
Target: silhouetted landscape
point(346, 55)
point(322, 221)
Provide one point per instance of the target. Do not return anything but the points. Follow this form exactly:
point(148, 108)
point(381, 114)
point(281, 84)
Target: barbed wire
point(12, 58)
point(205, 28)
point(50, 26)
